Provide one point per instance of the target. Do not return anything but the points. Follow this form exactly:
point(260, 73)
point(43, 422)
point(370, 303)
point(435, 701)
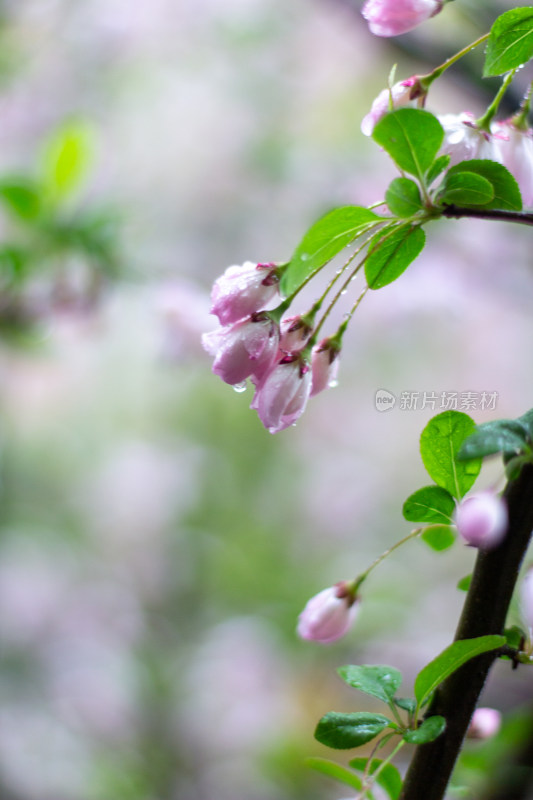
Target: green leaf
point(450, 660)
point(507, 436)
point(377, 680)
point(506, 190)
point(406, 703)
point(327, 237)
point(515, 637)
point(439, 537)
point(335, 771)
point(431, 728)
point(411, 137)
point(67, 158)
point(21, 197)
point(389, 778)
point(342, 731)
point(391, 255)
point(440, 443)
point(466, 189)
point(510, 43)
point(403, 197)
point(429, 504)
point(437, 168)
point(464, 584)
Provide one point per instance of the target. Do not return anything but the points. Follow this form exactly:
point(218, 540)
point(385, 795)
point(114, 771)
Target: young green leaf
point(403, 197)
point(335, 771)
point(439, 537)
point(21, 197)
point(67, 158)
point(437, 168)
point(377, 680)
point(465, 189)
point(327, 237)
point(406, 703)
point(440, 443)
point(392, 254)
point(411, 137)
point(388, 778)
point(515, 637)
point(506, 190)
point(450, 660)
point(429, 504)
point(431, 728)
point(507, 436)
point(343, 731)
point(510, 43)
point(464, 584)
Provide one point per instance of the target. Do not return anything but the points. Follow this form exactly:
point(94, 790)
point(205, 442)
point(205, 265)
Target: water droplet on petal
point(332, 384)
point(239, 387)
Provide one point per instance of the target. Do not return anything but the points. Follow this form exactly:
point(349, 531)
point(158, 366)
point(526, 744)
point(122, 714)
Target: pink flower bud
point(482, 519)
point(464, 141)
point(516, 149)
point(485, 722)
point(401, 94)
point(328, 615)
point(294, 333)
point(241, 290)
point(526, 598)
point(248, 347)
point(280, 398)
point(324, 365)
point(393, 17)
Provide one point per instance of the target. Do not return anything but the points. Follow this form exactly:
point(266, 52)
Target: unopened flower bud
point(324, 365)
point(393, 17)
point(294, 333)
point(329, 614)
point(485, 722)
point(482, 520)
point(248, 347)
point(242, 290)
point(405, 93)
point(281, 396)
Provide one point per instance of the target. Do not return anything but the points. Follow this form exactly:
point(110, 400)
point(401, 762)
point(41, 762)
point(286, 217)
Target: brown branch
point(521, 217)
point(484, 612)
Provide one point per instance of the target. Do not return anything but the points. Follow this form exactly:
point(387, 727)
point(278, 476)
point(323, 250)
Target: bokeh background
point(156, 543)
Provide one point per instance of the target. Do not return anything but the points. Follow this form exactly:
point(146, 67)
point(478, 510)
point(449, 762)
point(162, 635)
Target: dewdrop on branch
point(394, 17)
point(482, 520)
point(329, 614)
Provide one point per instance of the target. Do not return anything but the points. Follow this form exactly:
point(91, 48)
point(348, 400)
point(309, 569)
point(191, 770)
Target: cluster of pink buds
point(329, 614)
point(278, 356)
point(482, 520)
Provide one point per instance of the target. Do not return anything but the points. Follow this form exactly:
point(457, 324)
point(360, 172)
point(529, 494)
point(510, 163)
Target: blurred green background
point(156, 543)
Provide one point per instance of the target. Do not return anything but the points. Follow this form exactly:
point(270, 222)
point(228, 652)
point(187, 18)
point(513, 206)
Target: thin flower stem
point(370, 779)
point(483, 123)
point(428, 79)
point(414, 533)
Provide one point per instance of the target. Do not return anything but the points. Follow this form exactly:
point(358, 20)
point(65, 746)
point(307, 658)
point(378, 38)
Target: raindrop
point(344, 291)
point(239, 387)
point(304, 257)
point(332, 384)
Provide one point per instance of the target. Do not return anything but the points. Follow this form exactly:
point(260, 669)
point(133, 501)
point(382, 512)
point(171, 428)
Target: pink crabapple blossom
point(324, 365)
point(241, 290)
point(463, 140)
point(482, 520)
point(294, 333)
point(329, 614)
point(246, 348)
point(281, 396)
point(394, 17)
point(516, 149)
point(404, 93)
point(485, 723)
point(526, 598)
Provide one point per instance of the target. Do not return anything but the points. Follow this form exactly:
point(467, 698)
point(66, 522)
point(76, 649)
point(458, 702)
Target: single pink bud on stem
point(329, 614)
point(485, 722)
point(242, 290)
point(394, 17)
point(482, 520)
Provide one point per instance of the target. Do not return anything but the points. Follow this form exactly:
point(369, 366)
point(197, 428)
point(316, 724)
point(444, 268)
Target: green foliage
point(388, 776)
point(464, 584)
point(440, 443)
point(437, 168)
point(336, 771)
point(439, 537)
point(67, 158)
point(453, 657)
point(508, 436)
point(21, 196)
point(392, 253)
point(465, 189)
point(411, 137)
point(403, 197)
point(506, 191)
point(430, 504)
point(431, 728)
point(343, 731)
point(327, 237)
point(377, 680)
point(510, 43)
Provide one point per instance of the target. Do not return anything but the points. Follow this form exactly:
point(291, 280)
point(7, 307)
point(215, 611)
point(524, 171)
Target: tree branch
point(484, 612)
point(521, 217)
